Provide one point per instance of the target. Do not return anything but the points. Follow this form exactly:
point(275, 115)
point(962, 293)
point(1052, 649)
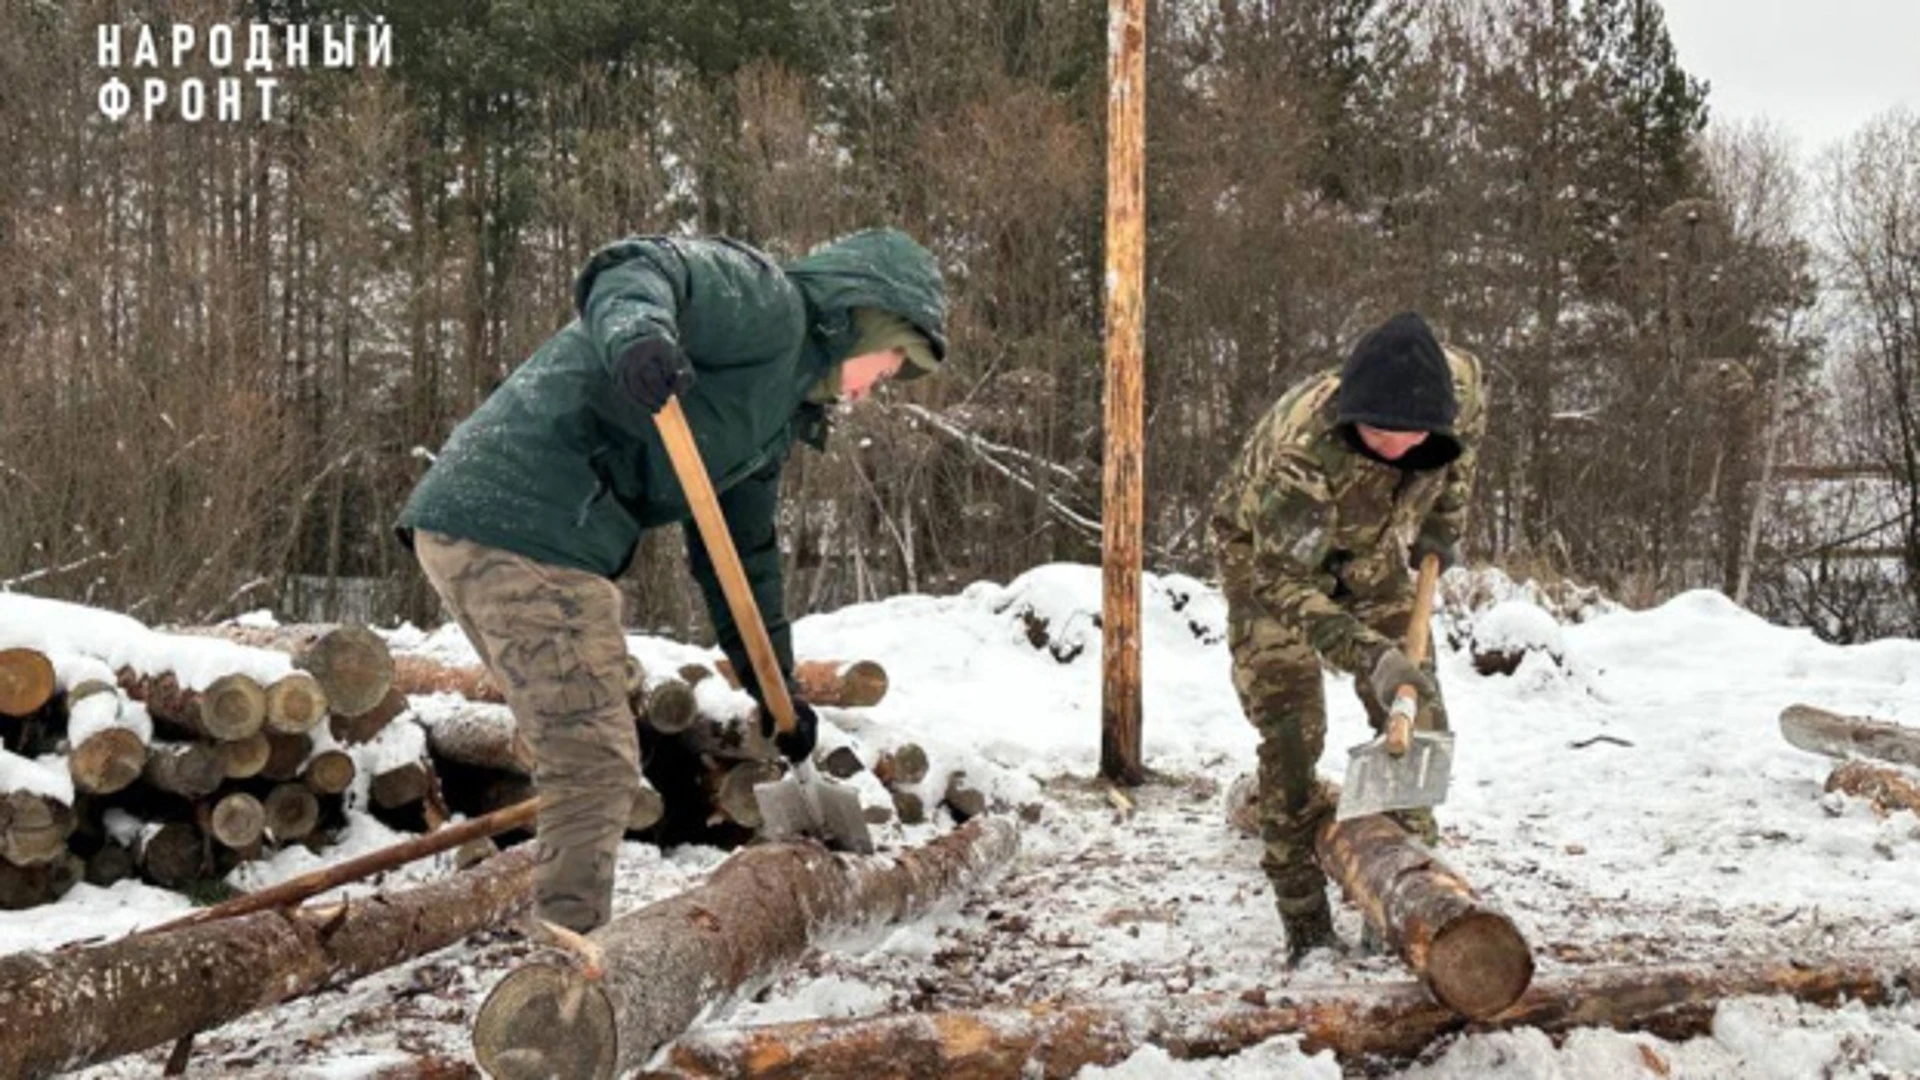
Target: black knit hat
point(1398, 379)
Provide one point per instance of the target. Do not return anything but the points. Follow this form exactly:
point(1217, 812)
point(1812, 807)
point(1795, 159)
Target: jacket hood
point(876, 268)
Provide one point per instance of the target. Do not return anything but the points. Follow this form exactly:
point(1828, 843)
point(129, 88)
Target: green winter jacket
point(558, 465)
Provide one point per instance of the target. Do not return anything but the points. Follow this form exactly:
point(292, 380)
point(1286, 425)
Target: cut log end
point(26, 681)
point(241, 758)
point(546, 1020)
point(648, 808)
point(295, 703)
point(671, 707)
point(292, 812)
point(1479, 964)
point(238, 821)
point(234, 707)
point(353, 666)
point(329, 772)
point(108, 761)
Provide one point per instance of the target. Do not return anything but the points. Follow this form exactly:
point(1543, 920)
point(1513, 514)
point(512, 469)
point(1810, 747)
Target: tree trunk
point(70, 1009)
point(365, 726)
point(484, 736)
point(1471, 957)
point(659, 967)
point(107, 761)
point(295, 704)
point(1834, 735)
point(839, 683)
point(1394, 1021)
point(1888, 789)
point(26, 681)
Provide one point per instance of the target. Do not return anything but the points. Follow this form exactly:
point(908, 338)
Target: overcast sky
point(1818, 68)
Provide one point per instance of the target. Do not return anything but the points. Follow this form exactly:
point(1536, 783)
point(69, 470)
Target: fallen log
point(840, 683)
point(1471, 957)
point(644, 977)
point(26, 681)
point(1888, 789)
point(1393, 1021)
point(1834, 735)
point(67, 1010)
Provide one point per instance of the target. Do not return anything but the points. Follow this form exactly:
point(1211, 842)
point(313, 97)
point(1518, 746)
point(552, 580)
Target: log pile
point(178, 777)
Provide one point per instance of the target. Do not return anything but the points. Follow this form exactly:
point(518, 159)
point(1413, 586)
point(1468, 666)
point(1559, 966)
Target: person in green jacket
point(538, 499)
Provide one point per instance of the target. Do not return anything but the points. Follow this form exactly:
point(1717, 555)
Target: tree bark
point(1888, 789)
point(352, 663)
point(70, 1009)
point(1834, 735)
point(1394, 1021)
point(658, 967)
point(840, 683)
point(26, 681)
point(172, 855)
point(1470, 956)
point(420, 675)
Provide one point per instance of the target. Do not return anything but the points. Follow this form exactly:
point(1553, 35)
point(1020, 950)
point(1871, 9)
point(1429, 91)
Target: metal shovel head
point(801, 803)
point(1377, 781)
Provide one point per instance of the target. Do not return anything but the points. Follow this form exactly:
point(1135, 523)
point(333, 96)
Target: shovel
point(1403, 769)
point(802, 802)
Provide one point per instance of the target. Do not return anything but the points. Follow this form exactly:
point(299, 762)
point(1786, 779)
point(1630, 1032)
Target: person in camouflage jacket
point(539, 498)
point(1349, 479)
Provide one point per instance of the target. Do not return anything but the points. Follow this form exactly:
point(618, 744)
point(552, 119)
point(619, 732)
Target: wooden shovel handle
point(1406, 700)
point(685, 454)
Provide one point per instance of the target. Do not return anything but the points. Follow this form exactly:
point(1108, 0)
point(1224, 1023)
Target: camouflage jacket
point(1303, 521)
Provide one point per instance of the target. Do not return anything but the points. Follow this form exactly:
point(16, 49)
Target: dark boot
point(1308, 930)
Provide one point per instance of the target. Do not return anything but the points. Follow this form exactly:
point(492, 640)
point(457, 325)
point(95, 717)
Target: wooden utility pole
point(1124, 504)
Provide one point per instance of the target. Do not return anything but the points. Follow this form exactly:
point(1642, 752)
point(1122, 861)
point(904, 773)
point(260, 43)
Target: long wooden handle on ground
point(1419, 630)
point(294, 890)
point(705, 504)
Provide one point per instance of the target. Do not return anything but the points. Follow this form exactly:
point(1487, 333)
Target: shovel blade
point(1378, 782)
point(802, 804)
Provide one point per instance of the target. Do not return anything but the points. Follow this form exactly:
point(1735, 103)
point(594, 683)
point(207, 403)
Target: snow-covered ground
point(1633, 802)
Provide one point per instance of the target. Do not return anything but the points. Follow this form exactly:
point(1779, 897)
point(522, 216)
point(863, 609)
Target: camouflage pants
point(1278, 677)
point(551, 637)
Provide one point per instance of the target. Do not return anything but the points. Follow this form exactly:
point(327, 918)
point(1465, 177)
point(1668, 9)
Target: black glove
point(796, 746)
point(651, 371)
point(1393, 669)
point(1430, 544)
